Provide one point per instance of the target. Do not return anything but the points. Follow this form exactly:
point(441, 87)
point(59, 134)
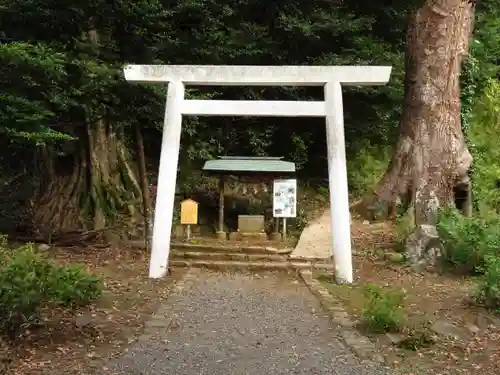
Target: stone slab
point(251, 223)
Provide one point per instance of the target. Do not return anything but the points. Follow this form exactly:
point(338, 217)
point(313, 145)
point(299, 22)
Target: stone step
point(244, 257)
point(232, 248)
point(251, 265)
point(228, 256)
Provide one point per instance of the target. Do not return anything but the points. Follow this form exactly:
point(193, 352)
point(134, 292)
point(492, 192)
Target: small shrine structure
point(249, 173)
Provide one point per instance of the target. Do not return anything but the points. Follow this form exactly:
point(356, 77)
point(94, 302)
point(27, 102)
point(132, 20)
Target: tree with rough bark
point(431, 157)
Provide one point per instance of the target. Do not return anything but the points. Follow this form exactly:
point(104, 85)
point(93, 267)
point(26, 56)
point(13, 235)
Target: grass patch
point(382, 309)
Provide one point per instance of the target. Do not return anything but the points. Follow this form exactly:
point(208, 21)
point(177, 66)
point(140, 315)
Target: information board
point(285, 198)
point(189, 212)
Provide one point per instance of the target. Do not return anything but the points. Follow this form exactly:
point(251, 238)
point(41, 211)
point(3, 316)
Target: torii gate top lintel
point(256, 75)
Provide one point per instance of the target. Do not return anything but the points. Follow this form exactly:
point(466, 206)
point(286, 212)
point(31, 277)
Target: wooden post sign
point(189, 215)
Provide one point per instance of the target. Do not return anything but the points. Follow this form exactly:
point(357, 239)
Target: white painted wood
point(253, 75)
point(167, 177)
point(253, 108)
point(337, 178)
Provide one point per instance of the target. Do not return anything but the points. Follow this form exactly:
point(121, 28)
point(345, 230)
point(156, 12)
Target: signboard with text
point(285, 198)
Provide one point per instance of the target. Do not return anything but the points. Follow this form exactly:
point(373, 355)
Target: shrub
point(383, 310)
point(485, 136)
point(485, 243)
point(22, 287)
point(467, 240)
point(29, 281)
point(366, 168)
point(72, 286)
point(472, 245)
point(488, 292)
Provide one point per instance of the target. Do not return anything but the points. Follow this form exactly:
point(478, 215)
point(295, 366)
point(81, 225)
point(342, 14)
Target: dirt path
point(316, 239)
point(229, 323)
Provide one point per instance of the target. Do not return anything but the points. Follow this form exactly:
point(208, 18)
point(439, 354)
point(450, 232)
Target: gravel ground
point(232, 323)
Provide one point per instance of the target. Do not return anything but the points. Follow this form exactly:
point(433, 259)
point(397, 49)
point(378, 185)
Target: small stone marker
point(189, 215)
point(251, 223)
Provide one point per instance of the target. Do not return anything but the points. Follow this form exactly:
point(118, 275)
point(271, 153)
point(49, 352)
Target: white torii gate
point(331, 77)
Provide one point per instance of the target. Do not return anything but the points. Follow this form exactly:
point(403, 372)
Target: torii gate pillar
point(332, 78)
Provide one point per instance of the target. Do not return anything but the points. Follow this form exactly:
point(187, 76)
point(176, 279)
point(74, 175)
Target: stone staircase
point(241, 257)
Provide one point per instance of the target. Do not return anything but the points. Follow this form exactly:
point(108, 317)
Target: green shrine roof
point(249, 164)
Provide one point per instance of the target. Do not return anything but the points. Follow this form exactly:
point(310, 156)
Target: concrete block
point(251, 223)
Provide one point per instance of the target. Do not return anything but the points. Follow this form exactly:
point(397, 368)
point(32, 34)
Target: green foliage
point(29, 281)
point(404, 226)
point(485, 46)
point(473, 244)
point(488, 292)
point(366, 167)
point(468, 240)
point(383, 309)
point(72, 286)
point(22, 115)
point(485, 136)
point(22, 287)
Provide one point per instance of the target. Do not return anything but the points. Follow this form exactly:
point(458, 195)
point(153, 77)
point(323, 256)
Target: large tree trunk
point(431, 157)
point(100, 191)
point(114, 188)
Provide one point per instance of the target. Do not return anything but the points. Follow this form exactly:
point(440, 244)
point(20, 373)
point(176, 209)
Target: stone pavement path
point(236, 324)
